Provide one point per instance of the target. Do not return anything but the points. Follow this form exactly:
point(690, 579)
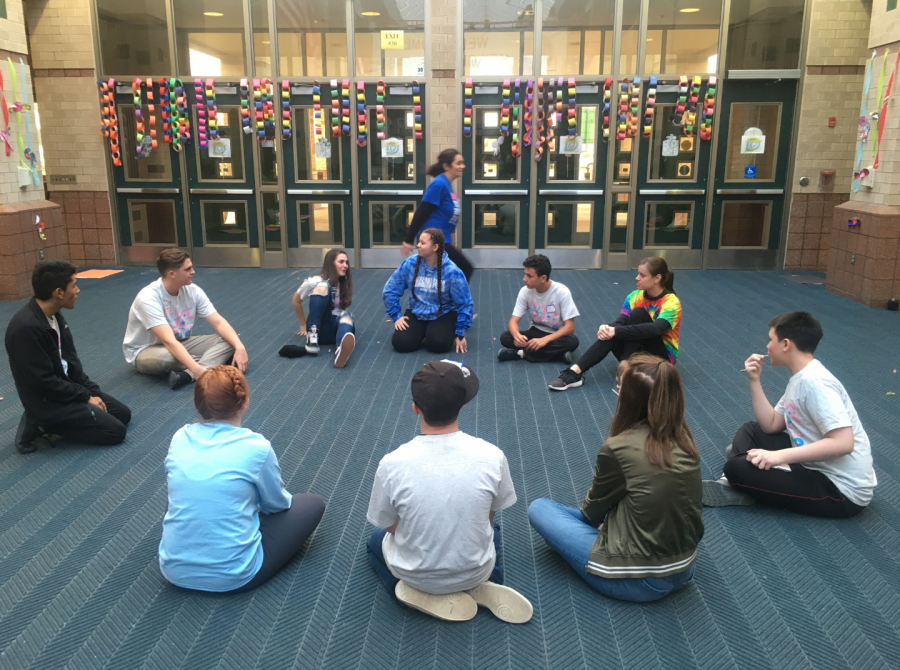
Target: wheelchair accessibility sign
point(750, 172)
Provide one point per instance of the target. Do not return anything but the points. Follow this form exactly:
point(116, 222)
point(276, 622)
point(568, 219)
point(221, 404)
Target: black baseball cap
point(441, 388)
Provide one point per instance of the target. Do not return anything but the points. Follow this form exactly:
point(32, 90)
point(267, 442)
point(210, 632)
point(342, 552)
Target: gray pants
point(208, 350)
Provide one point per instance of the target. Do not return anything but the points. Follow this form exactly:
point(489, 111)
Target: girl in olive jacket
point(636, 534)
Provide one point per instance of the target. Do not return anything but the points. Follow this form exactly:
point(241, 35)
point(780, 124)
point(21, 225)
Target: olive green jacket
point(653, 515)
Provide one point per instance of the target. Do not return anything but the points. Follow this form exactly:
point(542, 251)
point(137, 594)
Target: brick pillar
point(443, 117)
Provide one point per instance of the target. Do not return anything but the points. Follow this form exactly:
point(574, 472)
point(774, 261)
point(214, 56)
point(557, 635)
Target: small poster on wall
point(571, 145)
point(220, 148)
point(323, 148)
point(392, 148)
point(753, 141)
point(670, 147)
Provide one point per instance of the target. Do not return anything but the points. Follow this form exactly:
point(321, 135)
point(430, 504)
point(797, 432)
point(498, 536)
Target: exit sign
point(391, 39)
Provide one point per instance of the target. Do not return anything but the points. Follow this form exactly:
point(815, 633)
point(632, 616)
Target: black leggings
point(624, 349)
point(459, 260)
point(438, 334)
point(284, 533)
point(800, 490)
point(555, 349)
point(87, 424)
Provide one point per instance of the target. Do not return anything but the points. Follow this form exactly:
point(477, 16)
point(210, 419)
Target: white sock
point(521, 353)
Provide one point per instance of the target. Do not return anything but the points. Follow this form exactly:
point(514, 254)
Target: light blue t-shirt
point(220, 478)
point(445, 216)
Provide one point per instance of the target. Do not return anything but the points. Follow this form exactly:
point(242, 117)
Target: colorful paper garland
point(607, 111)
point(212, 117)
point(514, 148)
point(335, 109)
point(528, 113)
point(504, 110)
point(345, 107)
point(379, 110)
point(417, 111)
point(361, 114)
point(467, 108)
point(285, 109)
point(649, 107)
point(246, 124)
point(202, 137)
point(709, 109)
point(538, 130)
point(181, 106)
point(137, 95)
point(572, 111)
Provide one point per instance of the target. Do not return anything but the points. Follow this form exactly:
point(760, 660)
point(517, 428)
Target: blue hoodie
point(220, 478)
point(455, 292)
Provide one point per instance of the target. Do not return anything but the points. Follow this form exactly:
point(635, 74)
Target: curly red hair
point(221, 392)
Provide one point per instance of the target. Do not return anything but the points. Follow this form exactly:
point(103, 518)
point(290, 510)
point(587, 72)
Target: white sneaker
point(458, 606)
point(506, 604)
point(342, 353)
point(312, 341)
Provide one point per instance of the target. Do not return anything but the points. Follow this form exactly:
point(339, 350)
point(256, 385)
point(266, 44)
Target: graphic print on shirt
point(790, 418)
point(546, 315)
point(454, 219)
point(182, 323)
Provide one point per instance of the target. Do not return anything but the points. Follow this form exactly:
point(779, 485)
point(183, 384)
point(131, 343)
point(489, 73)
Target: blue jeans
point(567, 531)
point(330, 326)
point(376, 559)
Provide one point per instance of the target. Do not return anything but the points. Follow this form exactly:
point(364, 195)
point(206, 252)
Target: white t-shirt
point(442, 488)
point(55, 325)
point(815, 403)
point(549, 310)
point(306, 289)
point(153, 307)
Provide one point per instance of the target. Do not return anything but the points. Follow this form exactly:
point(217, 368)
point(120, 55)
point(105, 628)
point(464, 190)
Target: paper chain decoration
point(345, 107)
point(361, 114)
point(550, 117)
point(681, 104)
point(202, 137)
point(264, 109)
point(136, 87)
point(649, 107)
point(212, 116)
point(317, 109)
point(622, 115)
point(285, 109)
point(690, 116)
point(634, 109)
point(573, 107)
point(164, 109)
point(379, 110)
point(514, 148)
point(4, 130)
point(709, 109)
point(467, 108)
point(151, 113)
point(504, 111)
point(528, 112)
point(335, 109)
point(246, 124)
point(607, 100)
point(417, 110)
point(559, 102)
point(109, 127)
point(539, 122)
point(181, 109)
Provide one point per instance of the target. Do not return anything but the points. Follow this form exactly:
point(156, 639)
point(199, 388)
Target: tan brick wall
point(885, 27)
point(60, 32)
point(839, 31)
point(12, 29)
point(443, 105)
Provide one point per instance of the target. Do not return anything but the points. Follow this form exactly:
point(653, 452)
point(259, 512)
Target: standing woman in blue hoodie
point(230, 524)
point(440, 304)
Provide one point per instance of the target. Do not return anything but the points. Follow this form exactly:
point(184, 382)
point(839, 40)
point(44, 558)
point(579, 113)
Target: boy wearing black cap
point(433, 501)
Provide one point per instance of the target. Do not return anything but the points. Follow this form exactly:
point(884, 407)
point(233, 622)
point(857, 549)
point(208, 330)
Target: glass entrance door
point(672, 180)
point(495, 210)
point(571, 177)
point(391, 175)
point(317, 170)
point(751, 172)
point(149, 197)
point(225, 226)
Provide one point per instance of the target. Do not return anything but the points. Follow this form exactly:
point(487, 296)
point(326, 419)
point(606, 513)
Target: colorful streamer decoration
point(863, 124)
point(417, 110)
point(551, 117)
point(246, 125)
point(361, 114)
point(379, 110)
point(151, 113)
point(4, 131)
point(345, 107)
point(572, 109)
point(109, 126)
point(681, 103)
point(335, 109)
point(164, 113)
point(607, 101)
point(504, 110)
point(17, 110)
point(622, 116)
point(181, 107)
point(202, 137)
point(634, 109)
point(690, 118)
point(467, 108)
point(136, 92)
point(709, 109)
point(317, 109)
point(539, 122)
point(268, 107)
point(876, 131)
point(649, 106)
point(212, 116)
point(528, 113)
point(514, 148)
point(559, 102)
point(27, 153)
point(286, 110)
point(884, 109)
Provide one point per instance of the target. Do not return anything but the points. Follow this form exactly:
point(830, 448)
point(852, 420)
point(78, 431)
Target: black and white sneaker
point(342, 353)
point(567, 379)
point(312, 341)
point(508, 355)
point(719, 493)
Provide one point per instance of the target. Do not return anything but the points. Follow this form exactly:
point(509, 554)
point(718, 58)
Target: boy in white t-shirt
point(158, 338)
point(552, 311)
point(435, 544)
point(822, 465)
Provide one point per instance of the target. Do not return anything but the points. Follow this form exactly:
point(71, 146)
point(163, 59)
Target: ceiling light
point(371, 13)
point(689, 10)
point(265, 41)
point(213, 14)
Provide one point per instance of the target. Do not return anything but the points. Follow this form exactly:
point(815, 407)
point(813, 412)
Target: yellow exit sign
point(391, 39)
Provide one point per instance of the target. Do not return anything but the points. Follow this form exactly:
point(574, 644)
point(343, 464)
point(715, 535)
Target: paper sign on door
point(753, 141)
point(392, 148)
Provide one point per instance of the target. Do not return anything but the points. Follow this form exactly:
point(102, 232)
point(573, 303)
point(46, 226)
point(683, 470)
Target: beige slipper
point(449, 606)
point(507, 604)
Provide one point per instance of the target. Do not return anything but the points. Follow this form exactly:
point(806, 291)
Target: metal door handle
point(672, 191)
point(149, 190)
point(470, 191)
point(221, 191)
point(300, 191)
point(380, 192)
point(598, 191)
point(749, 191)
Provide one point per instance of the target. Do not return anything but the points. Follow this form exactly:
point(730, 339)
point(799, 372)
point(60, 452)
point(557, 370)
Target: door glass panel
point(496, 223)
point(271, 221)
point(631, 19)
point(624, 150)
point(223, 161)
point(744, 224)
point(268, 162)
point(580, 166)
point(577, 37)
point(390, 221)
point(618, 233)
point(155, 167)
point(398, 124)
point(321, 223)
point(224, 222)
point(673, 157)
point(134, 36)
point(682, 36)
point(402, 22)
point(309, 166)
point(493, 152)
point(569, 224)
point(312, 38)
point(262, 48)
point(498, 38)
point(152, 221)
point(764, 36)
point(209, 37)
point(668, 224)
point(752, 159)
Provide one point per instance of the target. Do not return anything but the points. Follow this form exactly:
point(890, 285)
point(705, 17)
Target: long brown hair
point(658, 266)
point(437, 237)
point(446, 157)
point(650, 392)
point(330, 274)
point(220, 393)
